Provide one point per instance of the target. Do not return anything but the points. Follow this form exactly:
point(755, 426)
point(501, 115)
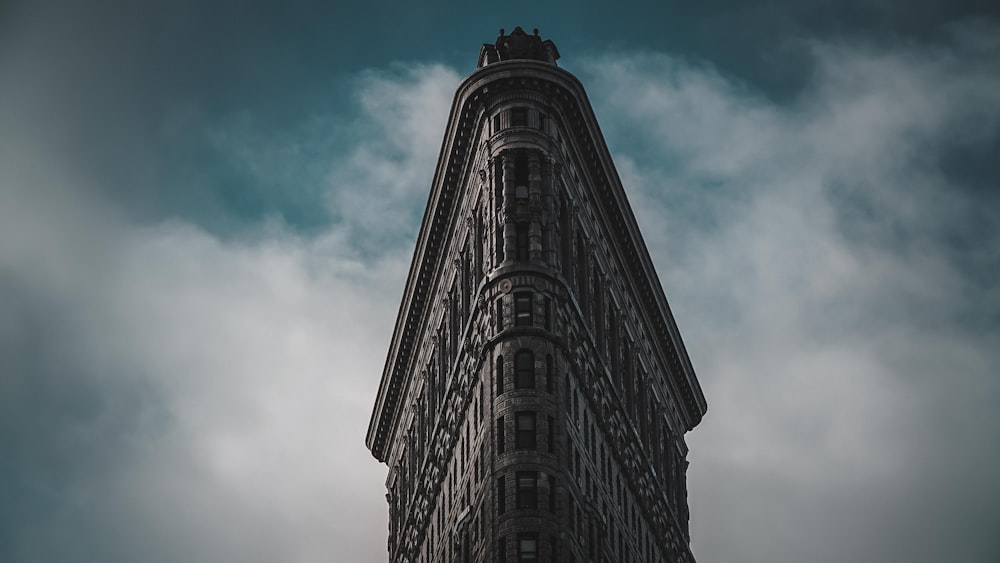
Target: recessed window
point(501, 495)
point(527, 547)
point(521, 167)
point(549, 376)
point(498, 375)
point(501, 435)
point(519, 117)
point(551, 434)
point(525, 437)
point(522, 309)
point(521, 192)
point(523, 243)
point(525, 370)
point(527, 489)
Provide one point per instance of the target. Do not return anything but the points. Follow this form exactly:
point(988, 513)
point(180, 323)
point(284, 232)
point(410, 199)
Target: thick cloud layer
point(832, 264)
point(169, 395)
point(174, 389)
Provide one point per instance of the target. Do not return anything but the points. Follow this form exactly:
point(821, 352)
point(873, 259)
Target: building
point(536, 392)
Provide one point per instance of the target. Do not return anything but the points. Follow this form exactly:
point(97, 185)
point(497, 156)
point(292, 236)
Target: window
point(501, 495)
point(502, 548)
point(522, 309)
point(501, 435)
point(552, 494)
point(541, 121)
point(499, 242)
point(525, 435)
point(521, 168)
point(521, 192)
point(498, 375)
point(523, 242)
point(496, 123)
point(549, 376)
point(525, 370)
point(519, 117)
point(551, 434)
point(527, 547)
point(527, 489)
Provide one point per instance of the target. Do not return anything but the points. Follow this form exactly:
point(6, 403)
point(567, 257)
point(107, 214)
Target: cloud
point(829, 268)
point(170, 394)
point(171, 390)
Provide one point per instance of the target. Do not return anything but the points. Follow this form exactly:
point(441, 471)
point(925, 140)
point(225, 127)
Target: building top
point(518, 45)
point(474, 98)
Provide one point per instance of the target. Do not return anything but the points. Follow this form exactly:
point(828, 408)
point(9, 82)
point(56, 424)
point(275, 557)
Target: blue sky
point(207, 214)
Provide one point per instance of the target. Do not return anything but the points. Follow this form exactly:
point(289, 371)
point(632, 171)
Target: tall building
point(536, 392)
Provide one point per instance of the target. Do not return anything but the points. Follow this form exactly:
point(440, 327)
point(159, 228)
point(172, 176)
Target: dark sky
point(207, 212)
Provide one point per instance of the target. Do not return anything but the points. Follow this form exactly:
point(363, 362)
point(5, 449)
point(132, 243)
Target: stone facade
point(536, 392)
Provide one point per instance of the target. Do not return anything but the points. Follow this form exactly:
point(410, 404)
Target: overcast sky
point(207, 214)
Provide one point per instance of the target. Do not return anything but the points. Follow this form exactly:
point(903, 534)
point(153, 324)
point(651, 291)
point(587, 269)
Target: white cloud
point(170, 395)
point(817, 257)
point(216, 391)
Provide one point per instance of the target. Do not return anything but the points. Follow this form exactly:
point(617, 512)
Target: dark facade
point(536, 392)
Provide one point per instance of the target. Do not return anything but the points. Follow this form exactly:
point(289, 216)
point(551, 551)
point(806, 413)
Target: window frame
point(524, 369)
point(525, 430)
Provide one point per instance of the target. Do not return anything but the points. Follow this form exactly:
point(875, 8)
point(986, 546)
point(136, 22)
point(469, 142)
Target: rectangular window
point(525, 436)
point(527, 547)
point(523, 309)
point(549, 375)
point(552, 494)
point(551, 434)
point(501, 435)
point(524, 375)
point(519, 117)
point(496, 123)
point(502, 549)
point(498, 375)
point(521, 168)
point(527, 489)
point(523, 241)
point(501, 495)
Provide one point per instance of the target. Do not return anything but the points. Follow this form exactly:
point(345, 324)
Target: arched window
point(524, 370)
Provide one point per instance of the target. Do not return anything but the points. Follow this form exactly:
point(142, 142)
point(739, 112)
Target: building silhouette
point(536, 391)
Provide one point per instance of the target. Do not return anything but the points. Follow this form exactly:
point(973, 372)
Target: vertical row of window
point(512, 169)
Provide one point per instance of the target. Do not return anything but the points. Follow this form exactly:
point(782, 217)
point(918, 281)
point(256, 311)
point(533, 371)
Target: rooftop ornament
point(518, 46)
